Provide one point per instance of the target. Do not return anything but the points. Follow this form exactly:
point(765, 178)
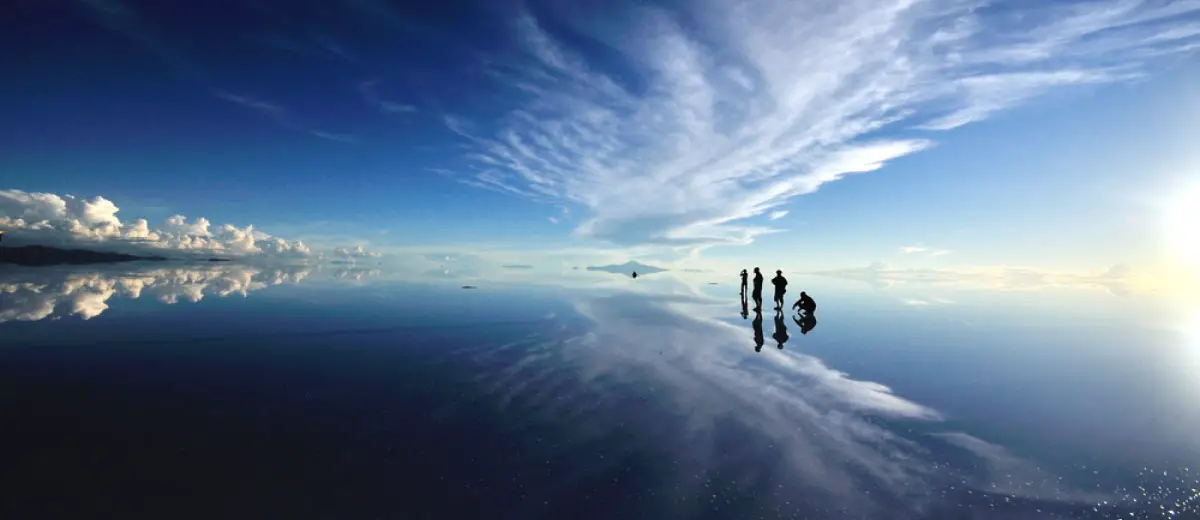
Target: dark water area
point(227, 392)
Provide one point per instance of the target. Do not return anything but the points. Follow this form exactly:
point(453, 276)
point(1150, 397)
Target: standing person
point(758, 281)
point(780, 287)
point(744, 275)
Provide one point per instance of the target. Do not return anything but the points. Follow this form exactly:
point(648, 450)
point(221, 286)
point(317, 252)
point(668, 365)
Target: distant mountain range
point(627, 268)
point(46, 255)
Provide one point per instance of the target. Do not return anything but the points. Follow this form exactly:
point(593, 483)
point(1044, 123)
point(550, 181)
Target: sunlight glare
point(1183, 226)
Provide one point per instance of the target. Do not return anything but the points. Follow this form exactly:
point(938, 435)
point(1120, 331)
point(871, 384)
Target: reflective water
point(231, 391)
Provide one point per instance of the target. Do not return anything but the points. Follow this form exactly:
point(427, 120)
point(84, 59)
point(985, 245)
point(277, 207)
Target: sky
point(896, 138)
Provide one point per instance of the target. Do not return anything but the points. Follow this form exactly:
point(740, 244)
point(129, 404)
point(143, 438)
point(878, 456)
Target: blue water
point(250, 392)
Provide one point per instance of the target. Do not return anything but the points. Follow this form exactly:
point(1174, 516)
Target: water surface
point(235, 391)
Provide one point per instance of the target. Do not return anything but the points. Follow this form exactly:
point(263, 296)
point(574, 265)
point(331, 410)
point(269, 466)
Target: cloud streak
point(119, 17)
point(1118, 280)
point(369, 93)
point(281, 116)
point(689, 129)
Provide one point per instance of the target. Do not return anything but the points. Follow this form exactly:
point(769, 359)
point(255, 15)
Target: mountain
point(627, 268)
point(46, 255)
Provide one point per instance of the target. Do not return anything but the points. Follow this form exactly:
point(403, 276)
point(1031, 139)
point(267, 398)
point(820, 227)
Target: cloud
point(351, 253)
point(776, 215)
point(38, 294)
point(908, 250)
point(368, 91)
point(552, 220)
point(1119, 280)
point(693, 124)
point(281, 116)
point(66, 220)
point(119, 17)
point(852, 445)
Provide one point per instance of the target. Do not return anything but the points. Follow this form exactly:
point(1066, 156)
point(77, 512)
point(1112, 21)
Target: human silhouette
point(806, 322)
point(758, 332)
point(744, 275)
point(780, 284)
point(805, 304)
point(635, 274)
point(781, 335)
point(745, 308)
point(758, 281)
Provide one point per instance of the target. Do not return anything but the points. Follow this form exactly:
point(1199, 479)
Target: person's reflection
point(806, 322)
point(781, 335)
point(745, 306)
point(758, 332)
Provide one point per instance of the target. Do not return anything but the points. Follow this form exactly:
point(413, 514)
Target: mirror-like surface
point(231, 391)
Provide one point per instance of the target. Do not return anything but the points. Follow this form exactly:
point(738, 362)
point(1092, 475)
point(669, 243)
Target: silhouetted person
point(781, 335)
point(758, 333)
point(635, 274)
point(758, 280)
point(744, 275)
point(805, 304)
point(806, 323)
point(745, 308)
point(780, 284)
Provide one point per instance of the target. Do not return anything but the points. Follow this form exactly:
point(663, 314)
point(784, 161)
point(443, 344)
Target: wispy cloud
point(369, 93)
point(281, 116)
point(776, 215)
point(686, 137)
point(552, 220)
point(121, 18)
point(909, 250)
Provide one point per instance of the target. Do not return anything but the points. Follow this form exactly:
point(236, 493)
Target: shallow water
point(234, 391)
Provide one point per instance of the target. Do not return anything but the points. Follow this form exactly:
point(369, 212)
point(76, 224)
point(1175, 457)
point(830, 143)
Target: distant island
point(218, 259)
point(46, 255)
point(517, 266)
point(627, 268)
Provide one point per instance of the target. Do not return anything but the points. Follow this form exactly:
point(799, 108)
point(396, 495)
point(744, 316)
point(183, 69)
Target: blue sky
point(804, 133)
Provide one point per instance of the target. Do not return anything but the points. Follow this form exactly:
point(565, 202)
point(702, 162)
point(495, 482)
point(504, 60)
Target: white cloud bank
point(66, 220)
point(682, 132)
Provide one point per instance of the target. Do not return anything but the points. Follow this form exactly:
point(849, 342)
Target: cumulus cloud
point(67, 220)
point(37, 294)
point(356, 252)
point(696, 123)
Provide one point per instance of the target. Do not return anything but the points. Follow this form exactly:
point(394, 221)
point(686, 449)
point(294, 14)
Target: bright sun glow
point(1183, 226)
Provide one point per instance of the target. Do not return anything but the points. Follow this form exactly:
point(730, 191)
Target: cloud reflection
point(38, 294)
point(841, 444)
